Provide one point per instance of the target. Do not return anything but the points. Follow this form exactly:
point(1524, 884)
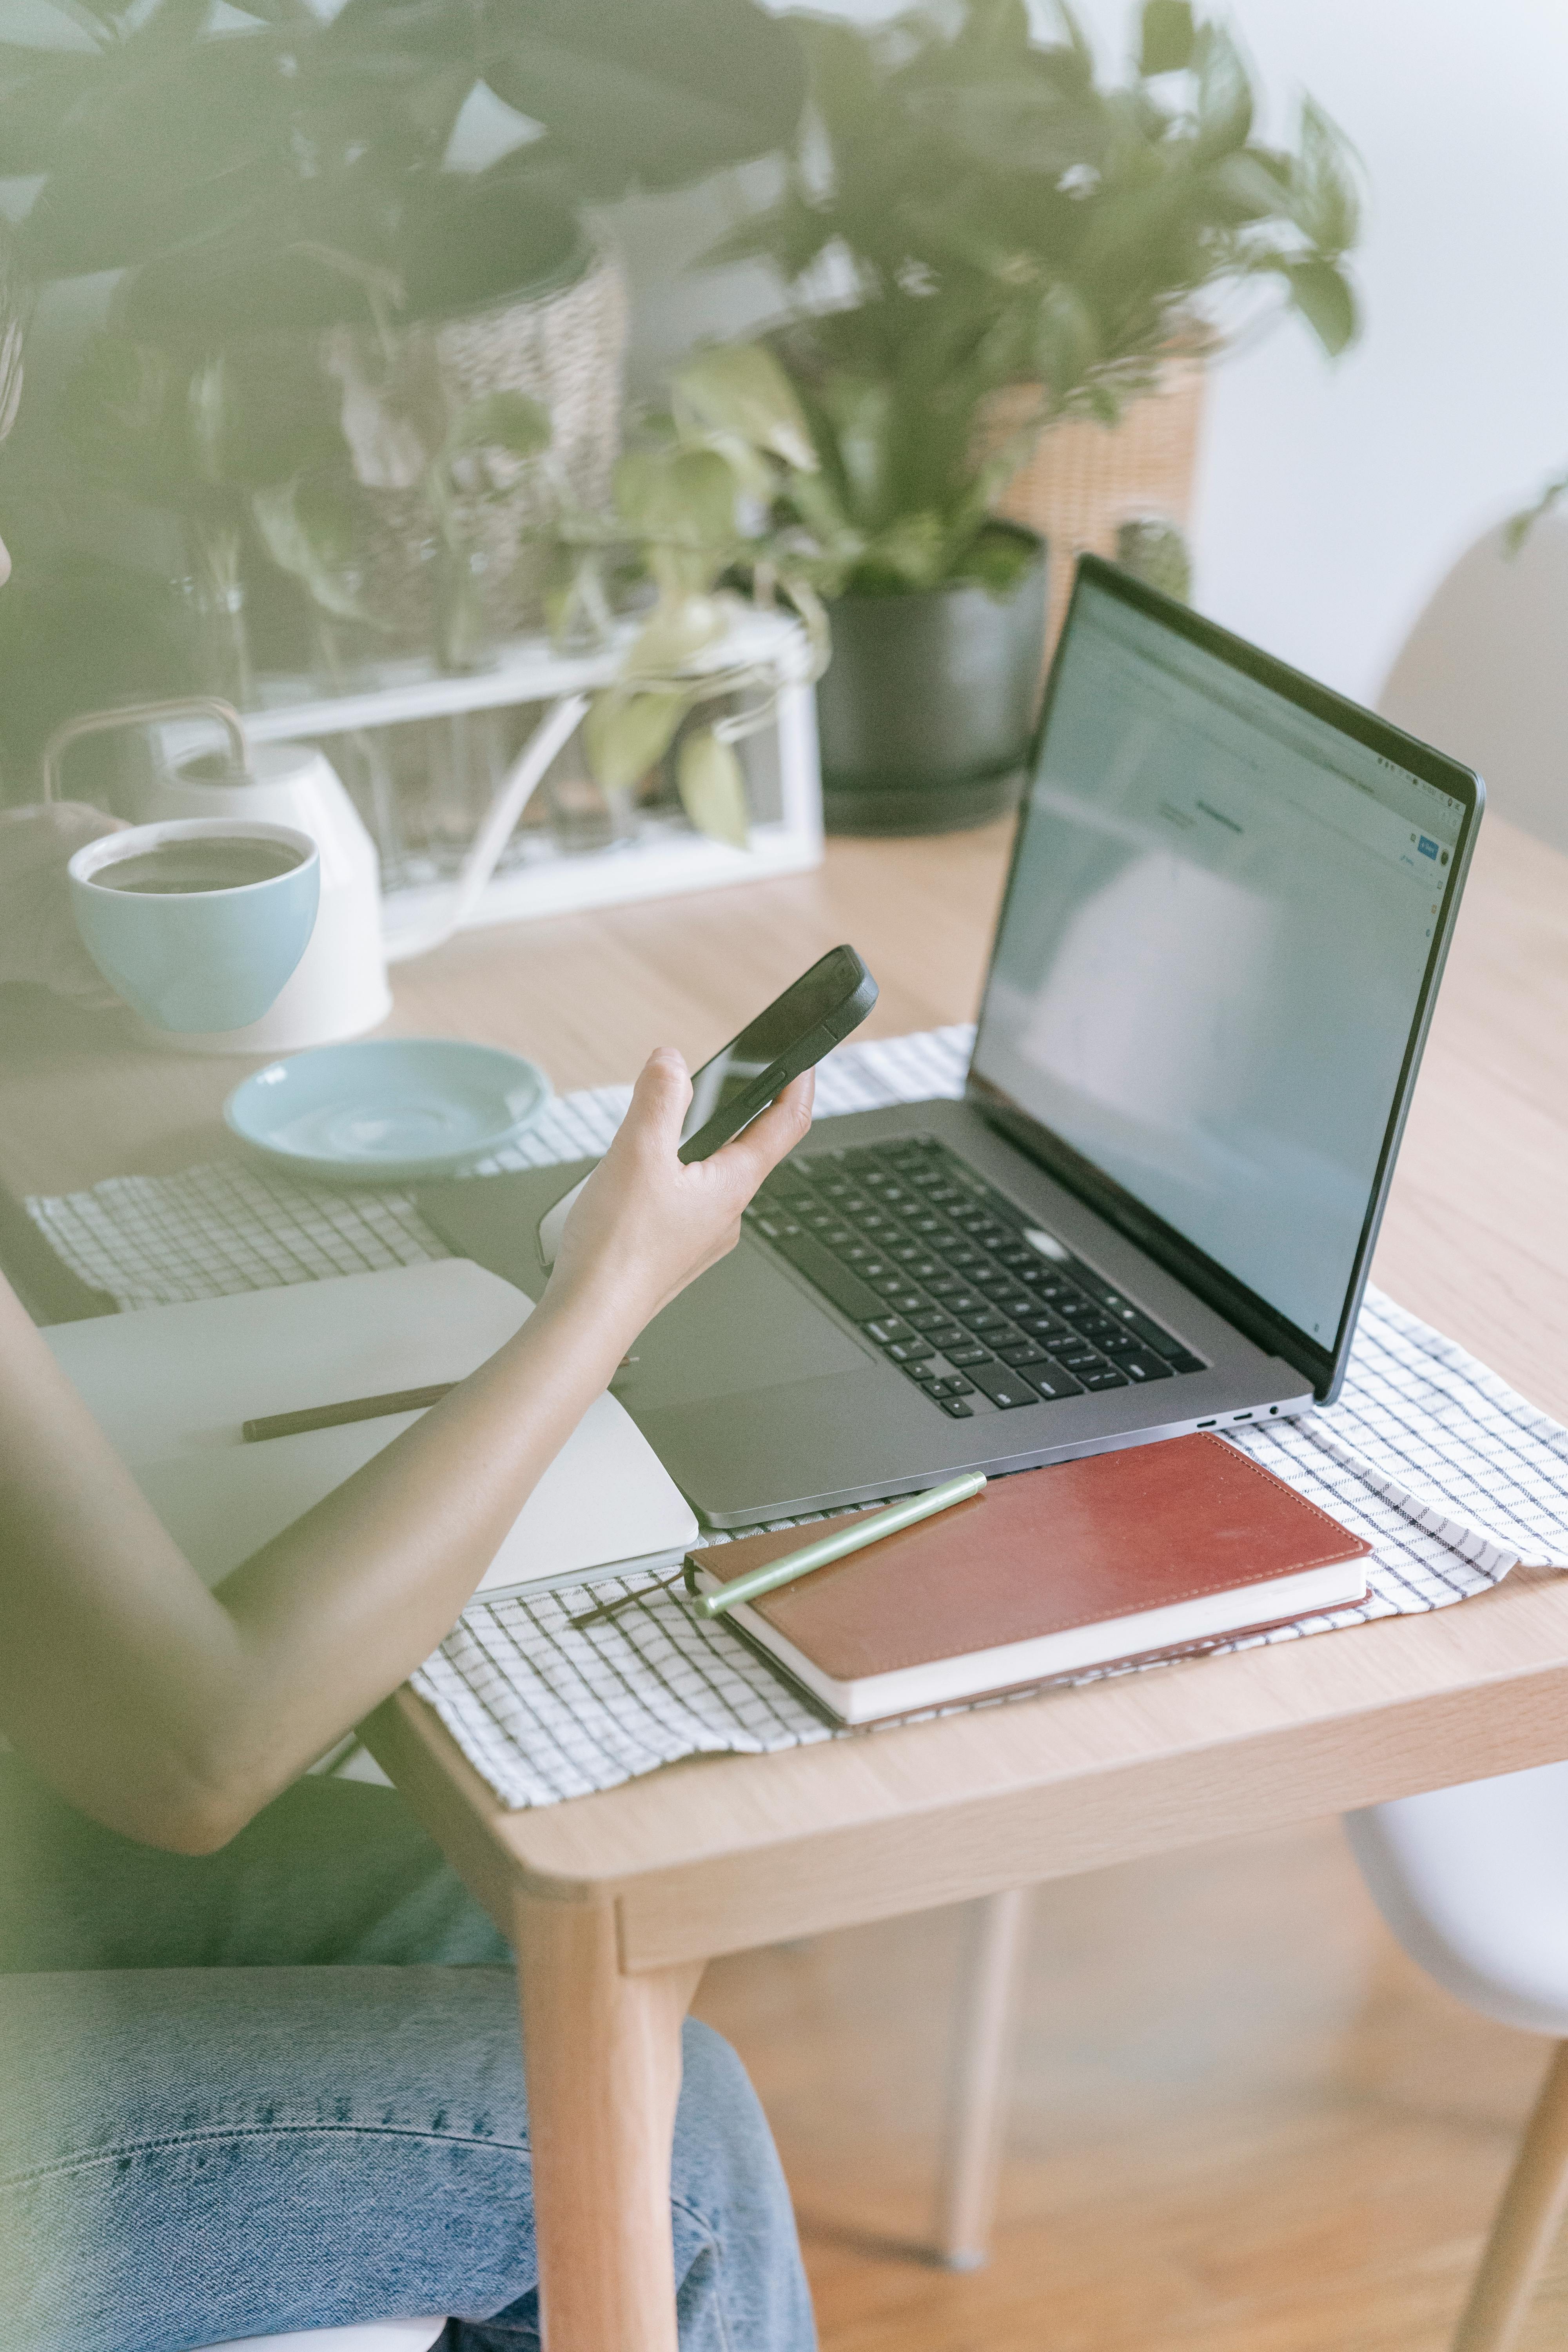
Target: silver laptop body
point(1231, 897)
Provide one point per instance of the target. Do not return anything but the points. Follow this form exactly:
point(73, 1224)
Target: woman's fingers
point(662, 1095)
point(665, 1082)
point(773, 1133)
point(646, 1225)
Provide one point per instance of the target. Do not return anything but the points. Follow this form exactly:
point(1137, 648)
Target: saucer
point(388, 1110)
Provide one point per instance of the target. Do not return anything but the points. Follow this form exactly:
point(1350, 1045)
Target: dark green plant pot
point(927, 706)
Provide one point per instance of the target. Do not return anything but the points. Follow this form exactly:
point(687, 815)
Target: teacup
point(197, 922)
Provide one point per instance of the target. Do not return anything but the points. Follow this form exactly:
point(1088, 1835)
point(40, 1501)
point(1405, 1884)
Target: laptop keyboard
point(949, 1278)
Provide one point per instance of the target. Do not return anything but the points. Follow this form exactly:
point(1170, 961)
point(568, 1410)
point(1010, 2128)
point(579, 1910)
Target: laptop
point(1231, 897)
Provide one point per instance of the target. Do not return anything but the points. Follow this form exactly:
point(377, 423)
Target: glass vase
point(464, 638)
point(216, 591)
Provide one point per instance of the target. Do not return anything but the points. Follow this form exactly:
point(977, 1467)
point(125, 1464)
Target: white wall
point(1334, 499)
point(1331, 499)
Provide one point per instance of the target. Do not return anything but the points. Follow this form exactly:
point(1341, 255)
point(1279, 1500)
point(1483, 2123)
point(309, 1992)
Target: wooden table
point(616, 1901)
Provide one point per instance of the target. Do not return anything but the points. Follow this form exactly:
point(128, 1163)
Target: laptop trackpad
point(743, 1325)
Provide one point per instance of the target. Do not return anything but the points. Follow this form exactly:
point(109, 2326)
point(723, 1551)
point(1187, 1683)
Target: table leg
point(602, 2052)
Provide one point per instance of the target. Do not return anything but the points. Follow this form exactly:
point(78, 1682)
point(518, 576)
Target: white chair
point(367, 2335)
point(1474, 1883)
point(986, 2008)
point(1482, 675)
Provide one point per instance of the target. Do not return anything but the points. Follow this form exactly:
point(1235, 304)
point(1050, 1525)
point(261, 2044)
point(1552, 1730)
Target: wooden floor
point(1242, 2120)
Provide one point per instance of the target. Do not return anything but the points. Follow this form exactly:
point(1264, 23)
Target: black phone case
point(806, 1051)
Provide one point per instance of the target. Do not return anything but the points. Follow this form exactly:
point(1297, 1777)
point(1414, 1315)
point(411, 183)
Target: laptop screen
point(1215, 951)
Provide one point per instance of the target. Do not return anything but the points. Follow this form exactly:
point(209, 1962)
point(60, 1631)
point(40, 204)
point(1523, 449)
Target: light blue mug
point(185, 938)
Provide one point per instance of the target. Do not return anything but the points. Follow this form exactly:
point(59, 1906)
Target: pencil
point(867, 1529)
point(332, 1416)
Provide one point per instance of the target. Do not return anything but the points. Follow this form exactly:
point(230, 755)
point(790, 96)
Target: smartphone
point(792, 1034)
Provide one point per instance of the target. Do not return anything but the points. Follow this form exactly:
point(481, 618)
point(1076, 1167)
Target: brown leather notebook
point(1145, 1552)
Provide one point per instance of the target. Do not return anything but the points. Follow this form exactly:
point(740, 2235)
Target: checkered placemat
point(154, 1241)
point(1451, 1477)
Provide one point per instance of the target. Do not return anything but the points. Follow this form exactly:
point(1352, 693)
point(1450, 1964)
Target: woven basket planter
point(565, 349)
point(1085, 480)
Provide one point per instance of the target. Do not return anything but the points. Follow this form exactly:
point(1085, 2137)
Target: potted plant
point(283, 195)
point(697, 532)
point(968, 211)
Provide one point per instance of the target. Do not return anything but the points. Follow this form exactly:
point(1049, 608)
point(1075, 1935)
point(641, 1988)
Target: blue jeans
point(280, 2087)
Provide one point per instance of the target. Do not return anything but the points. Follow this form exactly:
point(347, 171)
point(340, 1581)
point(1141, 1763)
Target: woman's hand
point(647, 1223)
point(38, 936)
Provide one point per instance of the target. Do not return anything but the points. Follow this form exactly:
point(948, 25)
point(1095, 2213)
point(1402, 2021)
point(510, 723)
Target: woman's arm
point(174, 1714)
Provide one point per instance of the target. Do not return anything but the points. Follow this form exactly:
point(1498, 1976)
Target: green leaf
point(40, 90)
point(713, 787)
point(1078, 47)
point(280, 12)
point(309, 528)
point(862, 410)
point(501, 420)
point(678, 571)
point(623, 734)
point(1319, 291)
point(1037, 128)
point(434, 103)
point(1167, 44)
point(1520, 525)
point(379, 32)
point(677, 628)
point(1067, 344)
point(177, 141)
point(814, 499)
point(119, 412)
point(790, 234)
point(1224, 96)
point(1325, 203)
point(686, 497)
point(740, 388)
point(260, 412)
point(846, 82)
point(653, 97)
point(996, 560)
point(466, 239)
point(910, 554)
point(997, 28)
point(119, 392)
point(1252, 185)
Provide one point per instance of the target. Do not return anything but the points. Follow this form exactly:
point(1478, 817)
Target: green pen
point(866, 1529)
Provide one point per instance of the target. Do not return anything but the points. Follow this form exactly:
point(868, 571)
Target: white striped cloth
point(1451, 1477)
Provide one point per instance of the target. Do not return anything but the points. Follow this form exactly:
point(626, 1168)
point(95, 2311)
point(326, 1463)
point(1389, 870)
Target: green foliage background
point(969, 207)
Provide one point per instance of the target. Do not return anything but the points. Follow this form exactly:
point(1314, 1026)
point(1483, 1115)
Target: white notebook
point(170, 1387)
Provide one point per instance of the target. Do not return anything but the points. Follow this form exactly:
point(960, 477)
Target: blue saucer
point(388, 1111)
